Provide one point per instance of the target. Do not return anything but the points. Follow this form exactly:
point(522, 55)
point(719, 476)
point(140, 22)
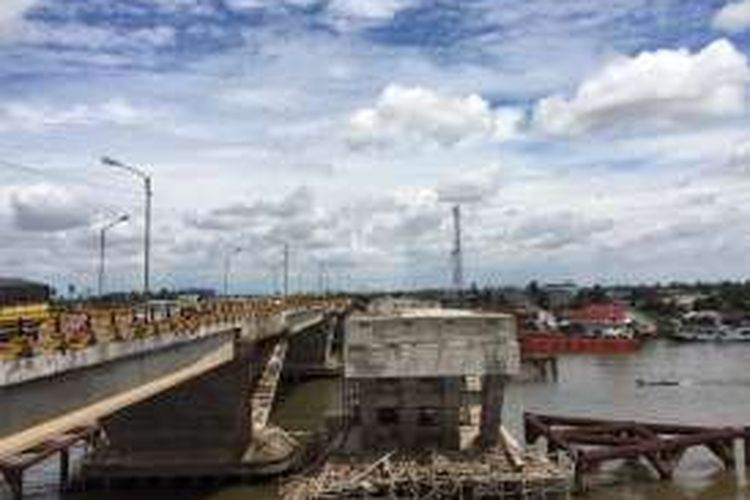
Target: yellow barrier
point(34, 312)
point(78, 330)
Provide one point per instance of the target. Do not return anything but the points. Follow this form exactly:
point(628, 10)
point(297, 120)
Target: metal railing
point(76, 330)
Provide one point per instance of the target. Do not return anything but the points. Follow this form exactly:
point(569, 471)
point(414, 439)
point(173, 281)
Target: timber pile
point(488, 475)
point(592, 442)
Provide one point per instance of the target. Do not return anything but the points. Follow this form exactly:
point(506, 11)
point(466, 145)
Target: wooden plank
point(668, 445)
point(660, 428)
point(513, 450)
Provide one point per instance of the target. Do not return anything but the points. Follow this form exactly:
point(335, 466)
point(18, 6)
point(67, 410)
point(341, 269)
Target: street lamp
point(110, 162)
point(102, 246)
point(227, 262)
point(286, 269)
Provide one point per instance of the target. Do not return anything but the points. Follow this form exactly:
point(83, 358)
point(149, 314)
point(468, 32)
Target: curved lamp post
point(102, 247)
point(227, 264)
point(110, 162)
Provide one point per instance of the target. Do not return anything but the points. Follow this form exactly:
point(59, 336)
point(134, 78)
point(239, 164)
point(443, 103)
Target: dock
point(592, 442)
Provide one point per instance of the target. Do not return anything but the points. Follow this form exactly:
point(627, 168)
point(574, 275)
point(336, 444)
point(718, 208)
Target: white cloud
point(733, 17)
point(44, 208)
point(250, 5)
point(299, 203)
point(739, 158)
point(11, 15)
point(559, 230)
point(85, 36)
point(665, 87)
point(239, 124)
point(372, 10)
point(34, 117)
point(421, 115)
point(474, 188)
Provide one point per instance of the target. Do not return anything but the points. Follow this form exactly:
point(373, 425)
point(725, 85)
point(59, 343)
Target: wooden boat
point(556, 343)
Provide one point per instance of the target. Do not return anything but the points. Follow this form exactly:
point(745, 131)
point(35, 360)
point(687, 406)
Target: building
point(23, 305)
point(15, 291)
point(427, 378)
point(602, 320)
point(560, 295)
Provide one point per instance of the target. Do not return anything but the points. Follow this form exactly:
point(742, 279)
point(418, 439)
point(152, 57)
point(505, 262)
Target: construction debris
point(480, 474)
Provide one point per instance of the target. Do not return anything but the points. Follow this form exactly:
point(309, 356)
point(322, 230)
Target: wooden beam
point(659, 428)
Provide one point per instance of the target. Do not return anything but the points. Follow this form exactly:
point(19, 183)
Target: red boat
point(556, 343)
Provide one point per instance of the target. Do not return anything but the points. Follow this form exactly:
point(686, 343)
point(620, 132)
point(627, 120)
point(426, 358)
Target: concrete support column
point(329, 332)
point(408, 411)
point(309, 351)
point(451, 413)
point(203, 420)
point(493, 389)
point(368, 414)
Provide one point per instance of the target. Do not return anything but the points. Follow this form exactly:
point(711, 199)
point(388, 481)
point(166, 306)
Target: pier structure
point(422, 377)
point(590, 442)
point(538, 367)
point(423, 404)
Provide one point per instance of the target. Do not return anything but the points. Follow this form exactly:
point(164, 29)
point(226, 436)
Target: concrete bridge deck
point(50, 393)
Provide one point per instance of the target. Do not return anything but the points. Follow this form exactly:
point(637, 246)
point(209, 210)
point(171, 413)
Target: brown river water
point(714, 390)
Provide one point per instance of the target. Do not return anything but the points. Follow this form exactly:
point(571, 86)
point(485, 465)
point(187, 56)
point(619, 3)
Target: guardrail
point(79, 330)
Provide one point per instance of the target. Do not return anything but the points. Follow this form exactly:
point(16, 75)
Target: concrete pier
point(203, 422)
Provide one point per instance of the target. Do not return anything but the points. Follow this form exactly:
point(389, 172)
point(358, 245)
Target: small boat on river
point(709, 326)
point(656, 383)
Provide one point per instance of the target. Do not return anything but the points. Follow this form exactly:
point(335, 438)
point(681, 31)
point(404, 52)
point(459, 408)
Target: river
point(714, 390)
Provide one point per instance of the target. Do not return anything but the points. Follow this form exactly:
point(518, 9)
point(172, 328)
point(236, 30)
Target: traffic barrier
point(79, 329)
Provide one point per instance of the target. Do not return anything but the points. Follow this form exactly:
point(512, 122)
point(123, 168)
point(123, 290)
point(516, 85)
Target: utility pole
point(275, 278)
point(102, 246)
point(286, 269)
point(147, 226)
point(227, 267)
point(456, 255)
point(321, 270)
point(225, 287)
point(147, 239)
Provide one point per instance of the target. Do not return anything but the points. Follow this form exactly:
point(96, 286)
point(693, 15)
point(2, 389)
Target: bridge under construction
point(169, 397)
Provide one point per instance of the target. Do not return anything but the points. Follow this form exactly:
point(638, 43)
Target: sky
point(586, 140)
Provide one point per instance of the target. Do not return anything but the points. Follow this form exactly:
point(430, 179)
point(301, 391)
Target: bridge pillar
point(199, 428)
point(314, 352)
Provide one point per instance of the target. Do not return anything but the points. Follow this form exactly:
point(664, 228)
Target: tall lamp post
point(102, 247)
point(286, 269)
point(110, 162)
point(227, 264)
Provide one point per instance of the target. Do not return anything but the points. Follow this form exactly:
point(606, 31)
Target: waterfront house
point(602, 320)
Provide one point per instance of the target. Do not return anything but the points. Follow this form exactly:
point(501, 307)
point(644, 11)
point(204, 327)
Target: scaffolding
point(489, 474)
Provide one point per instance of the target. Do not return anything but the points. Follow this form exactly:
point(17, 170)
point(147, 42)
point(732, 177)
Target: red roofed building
point(602, 320)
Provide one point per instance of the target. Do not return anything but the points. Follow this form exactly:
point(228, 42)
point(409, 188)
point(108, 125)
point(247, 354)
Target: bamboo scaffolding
point(433, 475)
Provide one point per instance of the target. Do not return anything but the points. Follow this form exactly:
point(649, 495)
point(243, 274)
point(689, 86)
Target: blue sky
point(586, 140)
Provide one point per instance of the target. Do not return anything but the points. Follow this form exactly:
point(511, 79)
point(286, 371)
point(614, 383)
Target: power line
point(65, 175)
point(133, 196)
